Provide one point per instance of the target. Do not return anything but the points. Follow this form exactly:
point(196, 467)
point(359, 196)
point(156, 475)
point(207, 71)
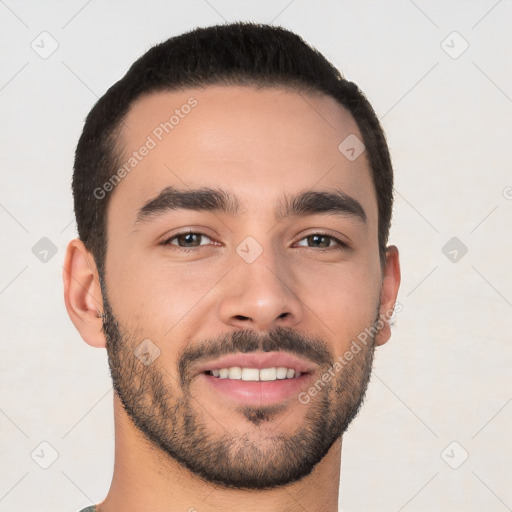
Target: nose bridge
point(260, 289)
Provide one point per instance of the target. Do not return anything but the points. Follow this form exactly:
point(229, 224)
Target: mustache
point(280, 339)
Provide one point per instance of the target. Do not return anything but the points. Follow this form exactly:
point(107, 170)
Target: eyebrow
point(310, 202)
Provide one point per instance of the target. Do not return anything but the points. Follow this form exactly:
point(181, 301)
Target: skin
point(257, 144)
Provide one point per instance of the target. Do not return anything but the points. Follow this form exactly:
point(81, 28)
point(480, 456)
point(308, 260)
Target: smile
point(255, 374)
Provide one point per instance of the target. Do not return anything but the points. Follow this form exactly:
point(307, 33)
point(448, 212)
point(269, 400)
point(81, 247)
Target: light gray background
point(443, 377)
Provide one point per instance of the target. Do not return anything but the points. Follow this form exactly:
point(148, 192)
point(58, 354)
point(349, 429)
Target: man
point(233, 196)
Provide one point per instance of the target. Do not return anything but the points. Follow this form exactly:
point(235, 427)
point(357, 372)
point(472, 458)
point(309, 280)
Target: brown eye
point(322, 241)
point(187, 240)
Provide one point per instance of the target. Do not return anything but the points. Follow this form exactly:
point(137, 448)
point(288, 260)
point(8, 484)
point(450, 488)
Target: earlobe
point(82, 293)
point(389, 292)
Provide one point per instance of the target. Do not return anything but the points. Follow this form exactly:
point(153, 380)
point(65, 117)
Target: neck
point(146, 480)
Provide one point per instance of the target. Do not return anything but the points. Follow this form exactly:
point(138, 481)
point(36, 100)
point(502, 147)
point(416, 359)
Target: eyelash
point(167, 241)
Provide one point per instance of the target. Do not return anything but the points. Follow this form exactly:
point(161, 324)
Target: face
point(241, 275)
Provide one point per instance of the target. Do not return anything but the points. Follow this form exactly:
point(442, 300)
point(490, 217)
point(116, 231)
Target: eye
point(189, 240)
point(186, 240)
point(318, 239)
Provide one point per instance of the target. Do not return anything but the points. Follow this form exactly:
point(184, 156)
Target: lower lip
point(258, 392)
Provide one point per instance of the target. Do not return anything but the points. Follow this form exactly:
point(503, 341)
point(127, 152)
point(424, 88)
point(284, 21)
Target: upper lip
point(258, 360)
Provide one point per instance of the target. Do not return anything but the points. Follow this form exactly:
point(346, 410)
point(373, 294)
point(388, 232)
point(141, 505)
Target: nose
point(261, 295)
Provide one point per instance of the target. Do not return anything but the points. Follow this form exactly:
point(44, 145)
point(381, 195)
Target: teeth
point(235, 372)
point(268, 374)
point(281, 372)
point(250, 374)
point(255, 374)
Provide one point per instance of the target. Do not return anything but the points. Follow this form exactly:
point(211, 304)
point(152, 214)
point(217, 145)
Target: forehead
point(256, 143)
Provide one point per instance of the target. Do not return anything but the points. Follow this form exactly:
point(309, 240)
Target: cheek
point(344, 299)
point(167, 295)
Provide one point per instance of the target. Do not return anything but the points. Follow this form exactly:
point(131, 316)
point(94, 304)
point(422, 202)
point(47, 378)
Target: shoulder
point(92, 508)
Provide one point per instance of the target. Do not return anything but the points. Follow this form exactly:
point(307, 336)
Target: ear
point(388, 294)
point(82, 293)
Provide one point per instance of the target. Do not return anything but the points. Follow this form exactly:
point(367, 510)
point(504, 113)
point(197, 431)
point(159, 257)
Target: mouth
point(256, 392)
point(254, 366)
point(257, 379)
point(255, 374)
